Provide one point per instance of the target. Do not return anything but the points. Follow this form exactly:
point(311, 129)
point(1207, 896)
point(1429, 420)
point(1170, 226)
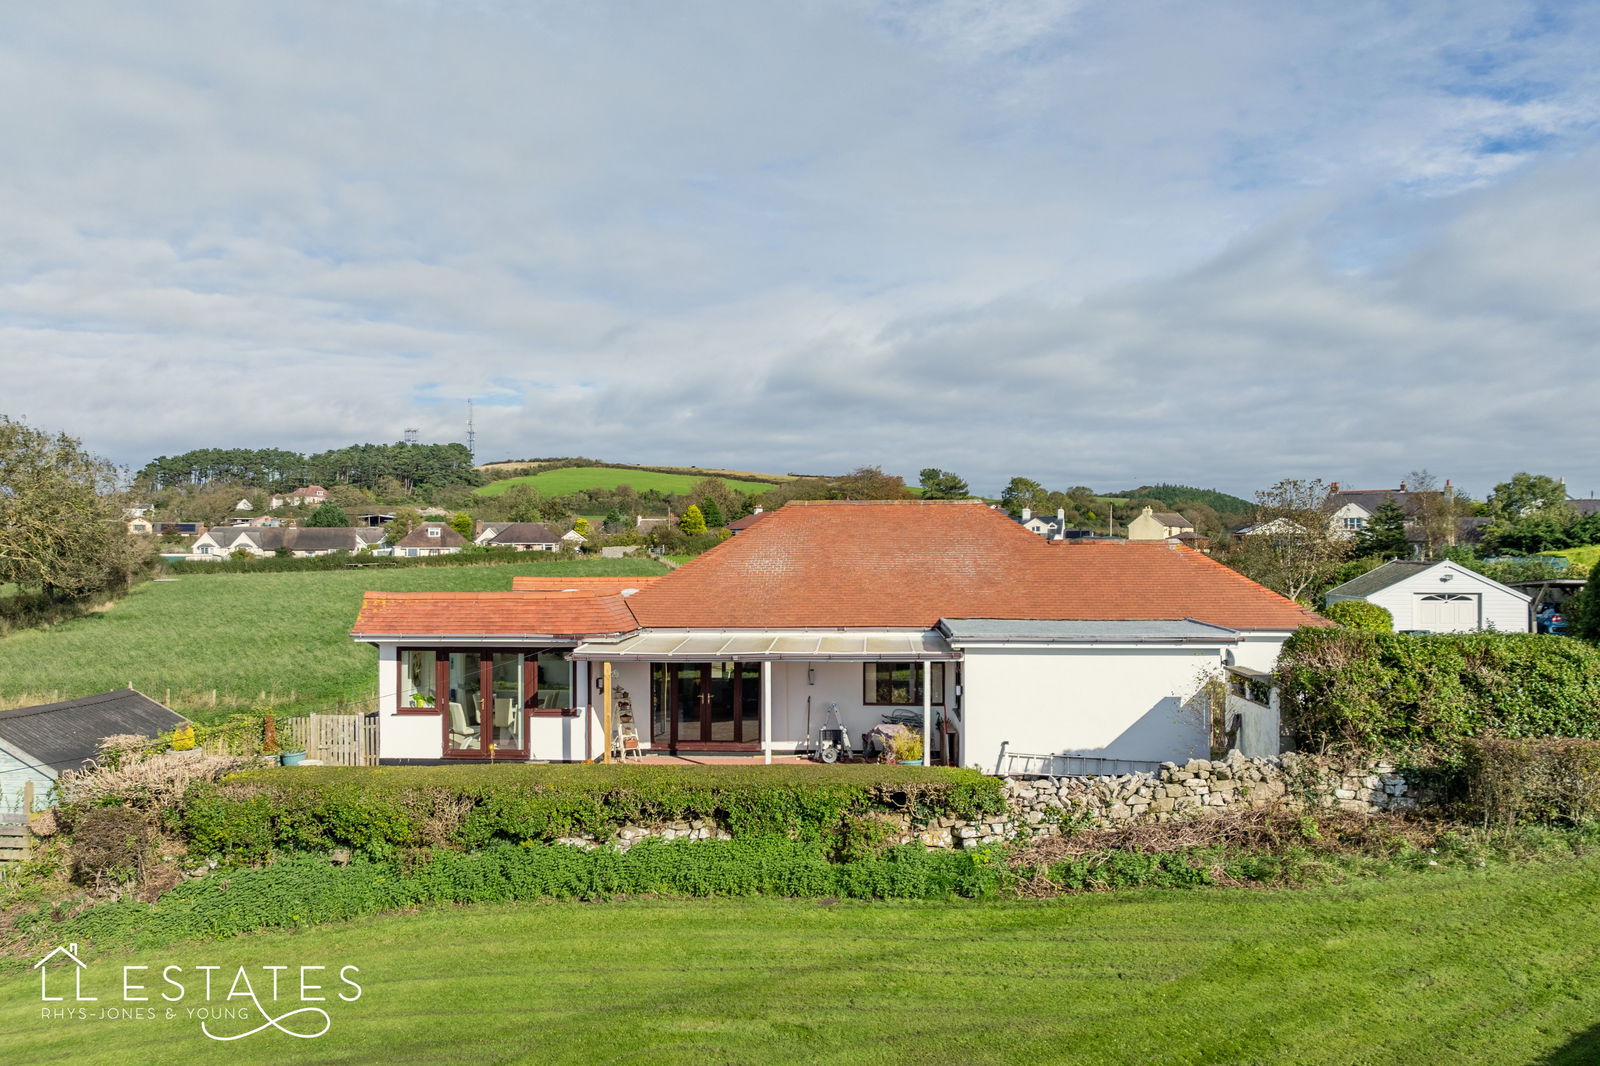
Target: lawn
point(578, 478)
point(241, 635)
point(1495, 967)
point(1589, 555)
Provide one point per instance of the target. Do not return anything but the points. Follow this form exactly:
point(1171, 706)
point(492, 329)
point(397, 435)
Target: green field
point(1589, 555)
point(1494, 967)
point(240, 635)
point(569, 479)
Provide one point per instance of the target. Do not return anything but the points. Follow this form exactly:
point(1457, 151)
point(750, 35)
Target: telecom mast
point(472, 435)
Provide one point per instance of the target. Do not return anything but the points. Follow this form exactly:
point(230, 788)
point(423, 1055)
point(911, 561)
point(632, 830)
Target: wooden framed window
point(899, 683)
point(419, 681)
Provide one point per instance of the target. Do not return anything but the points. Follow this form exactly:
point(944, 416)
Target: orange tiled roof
point(391, 614)
point(596, 586)
point(910, 563)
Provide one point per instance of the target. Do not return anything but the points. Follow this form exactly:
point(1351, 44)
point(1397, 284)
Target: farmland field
point(240, 635)
point(567, 479)
point(1494, 967)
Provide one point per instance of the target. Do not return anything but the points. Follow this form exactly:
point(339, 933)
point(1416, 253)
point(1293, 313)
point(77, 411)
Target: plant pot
point(910, 762)
point(291, 758)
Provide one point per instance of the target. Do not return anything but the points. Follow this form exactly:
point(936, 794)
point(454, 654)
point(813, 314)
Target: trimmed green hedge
point(379, 811)
point(1358, 614)
point(1511, 781)
point(303, 890)
point(1426, 695)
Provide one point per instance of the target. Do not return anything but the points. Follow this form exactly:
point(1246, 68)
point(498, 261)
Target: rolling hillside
point(1178, 495)
point(562, 480)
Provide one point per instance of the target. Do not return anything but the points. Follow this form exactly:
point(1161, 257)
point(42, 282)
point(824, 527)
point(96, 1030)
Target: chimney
point(1402, 486)
point(1334, 487)
point(1027, 513)
point(1061, 516)
point(758, 509)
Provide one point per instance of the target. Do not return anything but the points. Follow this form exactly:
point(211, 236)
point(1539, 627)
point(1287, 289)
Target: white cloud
point(999, 238)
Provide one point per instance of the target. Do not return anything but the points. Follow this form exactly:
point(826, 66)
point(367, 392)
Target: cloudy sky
point(1089, 242)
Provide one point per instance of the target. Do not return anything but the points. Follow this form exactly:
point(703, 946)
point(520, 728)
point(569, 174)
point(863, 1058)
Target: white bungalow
point(996, 643)
point(1441, 597)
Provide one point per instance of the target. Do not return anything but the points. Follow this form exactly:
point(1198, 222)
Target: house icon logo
point(69, 951)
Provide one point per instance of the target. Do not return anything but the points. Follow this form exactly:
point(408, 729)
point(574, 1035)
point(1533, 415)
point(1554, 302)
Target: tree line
point(403, 468)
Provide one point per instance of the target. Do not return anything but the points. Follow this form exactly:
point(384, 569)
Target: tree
point(1526, 495)
point(61, 528)
point(868, 483)
point(1583, 613)
point(1294, 549)
point(327, 516)
point(693, 522)
point(1385, 533)
point(713, 514)
point(1022, 492)
point(942, 485)
point(582, 527)
point(405, 520)
point(462, 523)
point(1435, 512)
point(521, 503)
point(613, 521)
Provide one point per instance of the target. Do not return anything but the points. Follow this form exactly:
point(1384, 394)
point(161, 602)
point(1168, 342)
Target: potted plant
point(269, 743)
point(905, 748)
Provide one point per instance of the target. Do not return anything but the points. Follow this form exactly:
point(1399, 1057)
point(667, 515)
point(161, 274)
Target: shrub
point(110, 845)
point(1358, 614)
point(1405, 695)
point(1511, 781)
point(144, 777)
point(381, 810)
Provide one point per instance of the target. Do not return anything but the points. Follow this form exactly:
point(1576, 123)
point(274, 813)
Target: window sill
point(420, 711)
point(545, 712)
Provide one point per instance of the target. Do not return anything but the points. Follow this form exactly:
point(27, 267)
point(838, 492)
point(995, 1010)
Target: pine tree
point(693, 522)
point(1385, 533)
point(713, 514)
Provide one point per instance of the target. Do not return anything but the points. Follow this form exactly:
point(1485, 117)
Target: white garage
point(1441, 597)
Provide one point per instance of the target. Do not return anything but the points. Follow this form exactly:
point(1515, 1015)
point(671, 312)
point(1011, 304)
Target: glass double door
point(706, 705)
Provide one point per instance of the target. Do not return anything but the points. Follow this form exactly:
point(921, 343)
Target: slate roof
point(418, 537)
point(62, 735)
point(747, 521)
point(525, 533)
point(299, 538)
point(847, 564)
point(1391, 573)
point(1167, 518)
point(982, 630)
point(556, 615)
point(1587, 505)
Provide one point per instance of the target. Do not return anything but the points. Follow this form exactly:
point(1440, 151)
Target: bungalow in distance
point(999, 641)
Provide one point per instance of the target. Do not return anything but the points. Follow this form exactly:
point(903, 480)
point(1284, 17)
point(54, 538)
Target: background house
point(1441, 597)
point(38, 743)
point(523, 536)
point(299, 541)
point(429, 538)
point(312, 495)
point(1158, 525)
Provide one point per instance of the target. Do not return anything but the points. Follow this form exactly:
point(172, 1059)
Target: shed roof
point(63, 735)
point(1393, 573)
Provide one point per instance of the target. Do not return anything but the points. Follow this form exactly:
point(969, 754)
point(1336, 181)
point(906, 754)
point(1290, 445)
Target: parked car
point(1550, 620)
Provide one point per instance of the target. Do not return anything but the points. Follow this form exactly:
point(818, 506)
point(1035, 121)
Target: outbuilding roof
point(63, 735)
point(1392, 573)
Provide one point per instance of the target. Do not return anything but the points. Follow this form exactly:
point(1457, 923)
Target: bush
point(110, 845)
point(304, 890)
point(380, 811)
point(1424, 696)
point(1358, 614)
point(1511, 781)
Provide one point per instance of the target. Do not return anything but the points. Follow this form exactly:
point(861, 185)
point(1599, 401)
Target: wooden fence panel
point(14, 838)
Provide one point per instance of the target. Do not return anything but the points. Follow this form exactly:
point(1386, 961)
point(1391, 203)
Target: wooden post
point(605, 682)
point(27, 805)
point(927, 713)
point(766, 712)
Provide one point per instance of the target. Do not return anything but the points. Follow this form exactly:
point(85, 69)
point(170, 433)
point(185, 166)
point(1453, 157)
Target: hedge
point(1404, 695)
point(1511, 781)
point(379, 811)
point(303, 890)
point(1358, 614)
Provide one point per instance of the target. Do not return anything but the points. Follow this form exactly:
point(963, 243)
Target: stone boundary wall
point(1045, 806)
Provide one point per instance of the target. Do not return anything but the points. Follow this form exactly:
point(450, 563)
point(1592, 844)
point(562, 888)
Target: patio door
point(706, 705)
point(485, 712)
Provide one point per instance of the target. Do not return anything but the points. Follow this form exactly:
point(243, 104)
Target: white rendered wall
point(1107, 703)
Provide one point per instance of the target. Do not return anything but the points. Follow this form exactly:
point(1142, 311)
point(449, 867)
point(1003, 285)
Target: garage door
point(1442, 613)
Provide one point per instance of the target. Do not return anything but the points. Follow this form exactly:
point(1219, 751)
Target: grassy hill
point(1176, 496)
point(217, 642)
point(562, 480)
